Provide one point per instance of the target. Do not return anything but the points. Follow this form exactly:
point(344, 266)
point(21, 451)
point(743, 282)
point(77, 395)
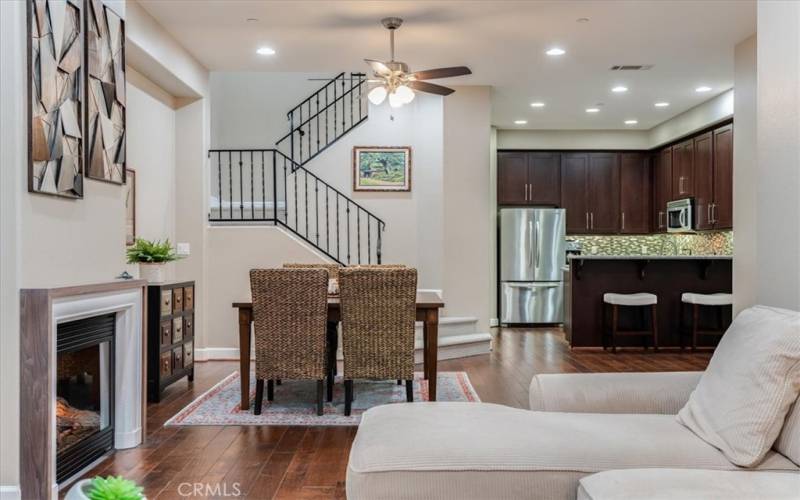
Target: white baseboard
point(10, 492)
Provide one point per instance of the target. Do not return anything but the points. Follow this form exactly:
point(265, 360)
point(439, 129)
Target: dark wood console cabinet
point(170, 335)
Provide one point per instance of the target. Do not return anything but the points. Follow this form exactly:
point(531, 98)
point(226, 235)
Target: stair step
point(450, 326)
point(459, 346)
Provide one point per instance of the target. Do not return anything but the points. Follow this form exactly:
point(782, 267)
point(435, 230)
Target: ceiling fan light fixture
point(404, 93)
point(377, 95)
point(395, 100)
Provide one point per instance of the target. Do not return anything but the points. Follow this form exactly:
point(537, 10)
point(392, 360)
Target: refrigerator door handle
point(538, 243)
point(532, 285)
point(530, 247)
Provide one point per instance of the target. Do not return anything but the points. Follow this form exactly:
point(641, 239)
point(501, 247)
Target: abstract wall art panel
point(105, 94)
point(55, 83)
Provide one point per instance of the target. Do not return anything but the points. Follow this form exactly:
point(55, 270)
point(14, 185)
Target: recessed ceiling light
point(582, 20)
point(662, 104)
point(556, 51)
point(520, 122)
point(265, 51)
point(252, 19)
point(619, 89)
point(537, 104)
point(702, 89)
point(592, 110)
point(631, 122)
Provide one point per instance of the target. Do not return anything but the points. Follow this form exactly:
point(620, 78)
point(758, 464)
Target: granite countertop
point(650, 257)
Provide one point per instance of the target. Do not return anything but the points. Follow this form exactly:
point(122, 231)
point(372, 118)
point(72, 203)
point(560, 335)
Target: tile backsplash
point(705, 243)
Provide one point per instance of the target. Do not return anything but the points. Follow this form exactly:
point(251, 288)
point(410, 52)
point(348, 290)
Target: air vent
point(631, 67)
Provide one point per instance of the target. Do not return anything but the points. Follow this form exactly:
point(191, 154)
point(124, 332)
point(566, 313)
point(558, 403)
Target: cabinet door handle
point(660, 216)
point(526, 192)
point(587, 220)
point(530, 192)
point(591, 220)
point(623, 221)
point(714, 213)
point(709, 212)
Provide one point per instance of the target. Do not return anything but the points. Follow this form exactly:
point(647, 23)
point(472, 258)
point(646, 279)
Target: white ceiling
point(690, 43)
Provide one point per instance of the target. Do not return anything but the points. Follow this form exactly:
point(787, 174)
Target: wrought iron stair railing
point(324, 117)
point(267, 186)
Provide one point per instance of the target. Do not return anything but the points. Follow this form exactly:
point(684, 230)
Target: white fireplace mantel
point(41, 311)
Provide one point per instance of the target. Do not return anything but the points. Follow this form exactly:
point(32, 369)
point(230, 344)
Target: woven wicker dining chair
point(332, 336)
point(290, 308)
point(333, 269)
point(378, 308)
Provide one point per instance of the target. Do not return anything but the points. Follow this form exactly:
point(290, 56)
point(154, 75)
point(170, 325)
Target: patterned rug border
point(178, 420)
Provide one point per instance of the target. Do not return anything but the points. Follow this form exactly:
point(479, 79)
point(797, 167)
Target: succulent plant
point(114, 488)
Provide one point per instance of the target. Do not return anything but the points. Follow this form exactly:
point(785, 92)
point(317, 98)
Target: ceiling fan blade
point(430, 88)
point(378, 67)
point(430, 74)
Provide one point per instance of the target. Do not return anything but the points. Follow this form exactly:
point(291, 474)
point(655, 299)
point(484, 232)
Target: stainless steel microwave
point(680, 216)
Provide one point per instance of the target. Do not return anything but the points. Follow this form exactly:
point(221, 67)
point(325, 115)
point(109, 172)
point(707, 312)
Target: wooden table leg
point(245, 318)
point(432, 350)
point(425, 371)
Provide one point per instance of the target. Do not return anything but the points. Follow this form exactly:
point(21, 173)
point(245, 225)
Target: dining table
point(427, 306)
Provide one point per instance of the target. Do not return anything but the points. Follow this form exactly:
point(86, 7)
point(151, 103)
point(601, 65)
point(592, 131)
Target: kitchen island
point(590, 276)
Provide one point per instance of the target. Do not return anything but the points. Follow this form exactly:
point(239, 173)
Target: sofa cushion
point(479, 450)
point(788, 441)
point(669, 484)
point(753, 378)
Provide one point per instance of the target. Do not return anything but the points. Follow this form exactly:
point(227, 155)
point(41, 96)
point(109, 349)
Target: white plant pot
point(152, 272)
point(80, 489)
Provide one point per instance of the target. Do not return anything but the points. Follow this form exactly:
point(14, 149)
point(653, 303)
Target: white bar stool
point(615, 300)
point(719, 301)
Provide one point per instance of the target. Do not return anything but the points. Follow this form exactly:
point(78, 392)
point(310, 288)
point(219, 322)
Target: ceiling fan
point(393, 79)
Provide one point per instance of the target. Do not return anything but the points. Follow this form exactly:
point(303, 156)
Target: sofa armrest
point(661, 392)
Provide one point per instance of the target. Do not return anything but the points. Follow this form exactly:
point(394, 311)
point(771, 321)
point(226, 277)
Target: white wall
point(703, 115)
point(48, 241)
point(249, 108)
point(745, 176)
point(468, 238)
point(13, 158)
point(573, 139)
point(778, 157)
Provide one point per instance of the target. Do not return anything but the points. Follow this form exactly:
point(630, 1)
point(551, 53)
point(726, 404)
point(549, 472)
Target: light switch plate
point(183, 249)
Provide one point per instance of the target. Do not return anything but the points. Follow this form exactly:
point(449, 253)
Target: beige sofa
point(583, 424)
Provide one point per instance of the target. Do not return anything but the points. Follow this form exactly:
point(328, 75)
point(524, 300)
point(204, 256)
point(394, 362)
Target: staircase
point(257, 186)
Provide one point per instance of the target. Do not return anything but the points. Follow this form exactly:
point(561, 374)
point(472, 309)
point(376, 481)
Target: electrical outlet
point(183, 249)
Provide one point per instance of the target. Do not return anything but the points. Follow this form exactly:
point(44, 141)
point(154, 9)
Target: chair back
point(333, 269)
point(378, 311)
point(289, 313)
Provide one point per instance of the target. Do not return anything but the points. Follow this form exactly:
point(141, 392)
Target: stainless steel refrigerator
point(532, 255)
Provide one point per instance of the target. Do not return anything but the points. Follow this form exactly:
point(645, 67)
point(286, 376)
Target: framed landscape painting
point(381, 168)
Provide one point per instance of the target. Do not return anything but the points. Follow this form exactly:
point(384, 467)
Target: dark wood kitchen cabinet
point(602, 182)
point(703, 165)
point(532, 178)
point(722, 208)
point(635, 193)
point(662, 188)
point(512, 178)
point(683, 170)
point(590, 192)
point(573, 191)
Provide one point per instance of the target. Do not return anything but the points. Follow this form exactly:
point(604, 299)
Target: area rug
point(294, 401)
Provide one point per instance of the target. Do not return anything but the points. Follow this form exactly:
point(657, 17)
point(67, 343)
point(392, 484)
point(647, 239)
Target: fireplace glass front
point(84, 393)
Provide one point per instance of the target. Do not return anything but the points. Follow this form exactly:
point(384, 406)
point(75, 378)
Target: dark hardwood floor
point(310, 462)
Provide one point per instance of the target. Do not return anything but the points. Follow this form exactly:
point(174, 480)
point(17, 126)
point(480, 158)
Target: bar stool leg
point(614, 325)
point(695, 319)
point(603, 326)
point(681, 326)
point(654, 325)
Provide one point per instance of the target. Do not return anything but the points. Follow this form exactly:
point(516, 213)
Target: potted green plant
point(108, 488)
point(151, 257)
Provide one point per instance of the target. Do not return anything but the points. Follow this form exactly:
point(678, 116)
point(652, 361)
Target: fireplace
point(84, 393)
